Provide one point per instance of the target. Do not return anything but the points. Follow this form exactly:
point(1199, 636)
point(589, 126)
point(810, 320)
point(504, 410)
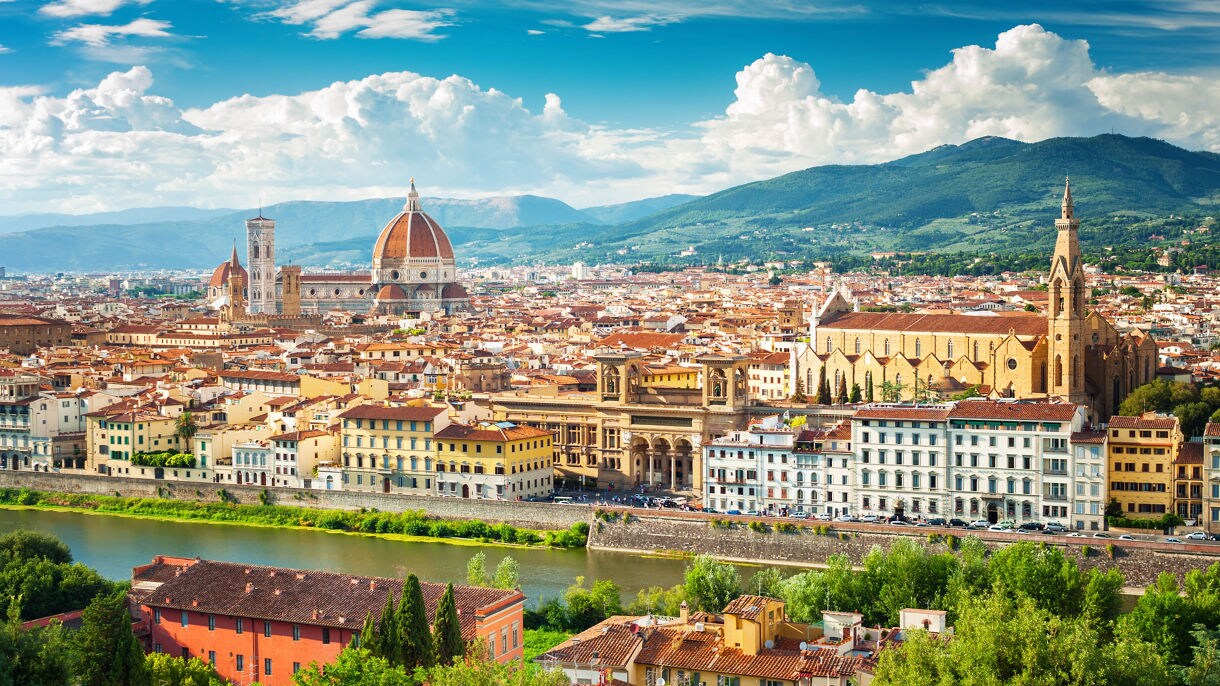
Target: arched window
point(857, 345)
point(976, 351)
point(1058, 371)
point(949, 349)
point(918, 348)
point(255, 247)
point(829, 344)
point(1077, 371)
point(887, 347)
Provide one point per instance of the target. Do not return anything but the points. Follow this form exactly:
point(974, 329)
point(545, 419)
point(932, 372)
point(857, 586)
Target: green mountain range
point(990, 194)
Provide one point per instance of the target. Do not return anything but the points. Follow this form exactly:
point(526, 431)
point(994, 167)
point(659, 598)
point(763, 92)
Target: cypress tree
point(841, 396)
point(447, 633)
point(368, 634)
point(389, 645)
point(413, 626)
point(823, 387)
point(108, 653)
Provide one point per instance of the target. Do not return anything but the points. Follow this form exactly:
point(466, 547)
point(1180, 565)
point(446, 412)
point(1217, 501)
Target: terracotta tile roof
point(1089, 437)
point(705, 652)
point(1020, 324)
point(748, 606)
point(638, 339)
point(313, 597)
point(1190, 453)
point(491, 432)
point(613, 641)
point(1032, 412)
point(417, 414)
point(1122, 422)
point(258, 375)
point(1212, 430)
point(931, 414)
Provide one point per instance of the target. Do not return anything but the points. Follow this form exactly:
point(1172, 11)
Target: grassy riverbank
point(412, 523)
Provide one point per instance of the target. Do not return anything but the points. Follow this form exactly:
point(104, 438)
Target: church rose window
point(423, 275)
point(394, 275)
point(1012, 363)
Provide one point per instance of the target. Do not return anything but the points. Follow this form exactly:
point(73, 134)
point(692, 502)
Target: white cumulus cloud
point(121, 144)
point(330, 19)
point(80, 8)
point(102, 34)
point(608, 24)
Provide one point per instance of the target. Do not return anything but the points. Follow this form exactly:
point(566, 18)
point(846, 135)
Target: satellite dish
point(769, 644)
point(804, 645)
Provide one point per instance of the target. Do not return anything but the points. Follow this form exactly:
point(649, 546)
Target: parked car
point(752, 513)
point(1000, 528)
point(1054, 528)
point(732, 512)
point(1196, 536)
point(979, 524)
point(799, 515)
point(958, 522)
point(1032, 526)
point(939, 521)
point(899, 522)
point(846, 518)
point(1126, 537)
point(823, 516)
point(1101, 534)
point(921, 523)
point(870, 518)
point(1171, 539)
point(1076, 534)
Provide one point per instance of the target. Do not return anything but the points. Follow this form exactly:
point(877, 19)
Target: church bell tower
point(260, 256)
point(1066, 315)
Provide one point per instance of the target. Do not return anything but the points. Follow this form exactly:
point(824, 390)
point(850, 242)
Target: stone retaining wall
point(650, 534)
point(531, 515)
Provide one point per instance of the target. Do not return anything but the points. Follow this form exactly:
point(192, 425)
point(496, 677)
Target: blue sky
point(116, 103)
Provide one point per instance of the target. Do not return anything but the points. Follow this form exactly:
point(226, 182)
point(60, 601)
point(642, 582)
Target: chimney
point(684, 612)
point(372, 585)
point(249, 587)
point(278, 591)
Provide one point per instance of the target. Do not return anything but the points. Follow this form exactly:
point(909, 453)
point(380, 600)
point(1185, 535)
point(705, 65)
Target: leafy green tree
point(658, 601)
point(1193, 417)
point(476, 570)
point(107, 652)
point(507, 574)
point(354, 667)
point(798, 394)
point(447, 633)
point(38, 656)
point(479, 670)
point(586, 607)
point(412, 623)
point(185, 428)
point(766, 582)
point(1204, 667)
point(165, 670)
point(711, 584)
point(21, 545)
point(1163, 616)
point(891, 392)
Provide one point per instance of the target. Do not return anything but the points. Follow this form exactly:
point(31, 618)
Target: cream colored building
point(389, 449)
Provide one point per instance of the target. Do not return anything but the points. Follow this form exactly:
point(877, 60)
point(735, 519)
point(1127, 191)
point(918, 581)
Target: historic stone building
point(413, 273)
point(1066, 353)
point(629, 434)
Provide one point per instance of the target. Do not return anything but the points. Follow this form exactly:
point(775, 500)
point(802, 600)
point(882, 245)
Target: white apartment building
point(1089, 474)
point(253, 463)
point(735, 465)
point(1012, 460)
point(900, 466)
point(840, 458)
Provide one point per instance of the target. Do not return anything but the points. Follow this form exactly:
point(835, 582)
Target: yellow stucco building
point(1141, 453)
point(389, 449)
point(499, 461)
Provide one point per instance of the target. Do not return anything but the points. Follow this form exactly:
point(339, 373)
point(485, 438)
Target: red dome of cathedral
point(220, 277)
point(412, 235)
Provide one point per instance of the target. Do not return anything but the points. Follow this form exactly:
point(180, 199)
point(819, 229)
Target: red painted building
point(263, 624)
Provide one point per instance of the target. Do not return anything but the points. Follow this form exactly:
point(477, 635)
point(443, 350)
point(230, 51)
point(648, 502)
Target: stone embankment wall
point(531, 515)
point(1139, 564)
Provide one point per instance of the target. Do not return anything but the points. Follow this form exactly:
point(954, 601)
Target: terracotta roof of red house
point(1020, 324)
point(1212, 430)
point(315, 597)
point(1031, 412)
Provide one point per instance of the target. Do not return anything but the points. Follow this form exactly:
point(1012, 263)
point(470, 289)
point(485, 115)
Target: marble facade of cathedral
point(1066, 353)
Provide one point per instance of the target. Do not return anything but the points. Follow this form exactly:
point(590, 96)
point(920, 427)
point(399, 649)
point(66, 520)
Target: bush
point(1085, 551)
point(786, 528)
point(759, 527)
point(1110, 550)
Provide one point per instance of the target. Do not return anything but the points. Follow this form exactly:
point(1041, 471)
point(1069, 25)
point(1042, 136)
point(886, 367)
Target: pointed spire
point(412, 198)
point(233, 259)
point(1067, 207)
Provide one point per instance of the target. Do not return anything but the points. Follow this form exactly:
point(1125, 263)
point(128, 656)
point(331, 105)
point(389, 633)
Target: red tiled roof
point(418, 414)
point(1032, 412)
point(1021, 324)
point(312, 597)
point(1123, 422)
point(491, 432)
point(932, 414)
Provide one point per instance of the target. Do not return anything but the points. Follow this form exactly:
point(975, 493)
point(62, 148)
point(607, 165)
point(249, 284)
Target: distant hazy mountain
point(637, 209)
point(139, 215)
point(987, 194)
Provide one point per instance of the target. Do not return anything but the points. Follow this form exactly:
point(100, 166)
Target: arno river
point(113, 545)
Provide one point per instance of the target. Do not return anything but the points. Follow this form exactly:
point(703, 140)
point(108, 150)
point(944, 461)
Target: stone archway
point(682, 476)
point(659, 463)
point(638, 461)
